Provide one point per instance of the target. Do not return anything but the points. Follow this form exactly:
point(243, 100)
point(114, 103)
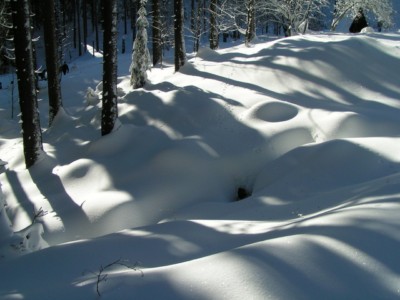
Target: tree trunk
point(192, 16)
point(125, 17)
point(96, 24)
point(197, 25)
point(109, 102)
point(180, 54)
point(52, 59)
point(59, 32)
point(74, 21)
point(85, 25)
point(214, 36)
point(133, 18)
point(78, 24)
point(251, 23)
point(30, 122)
point(156, 28)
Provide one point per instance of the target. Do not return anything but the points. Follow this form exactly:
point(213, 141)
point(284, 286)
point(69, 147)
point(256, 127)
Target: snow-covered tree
point(294, 15)
point(231, 15)
point(30, 122)
point(381, 9)
point(141, 56)
point(110, 100)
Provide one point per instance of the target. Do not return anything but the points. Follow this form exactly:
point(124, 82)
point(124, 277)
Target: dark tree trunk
point(156, 28)
point(64, 18)
point(192, 16)
point(214, 36)
point(125, 17)
point(93, 12)
point(30, 122)
point(197, 25)
point(178, 32)
point(78, 24)
point(205, 19)
point(59, 31)
point(52, 59)
point(85, 23)
point(75, 26)
point(96, 24)
point(109, 102)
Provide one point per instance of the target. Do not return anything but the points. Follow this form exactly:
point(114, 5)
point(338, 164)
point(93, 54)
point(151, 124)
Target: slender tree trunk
point(109, 102)
point(192, 16)
point(197, 27)
point(78, 18)
point(59, 32)
point(205, 19)
point(180, 54)
point(64, 18)
point(133, 18)
point(96, 25)
point(74, 21)
point(30, 122)
point(214, 35)
point(156, 28)
point(125, 17)
point(251, 23)
point(85, 25)
point(93, 12)
point(52, 59)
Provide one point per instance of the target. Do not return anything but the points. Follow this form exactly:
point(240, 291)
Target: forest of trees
point(69, 26)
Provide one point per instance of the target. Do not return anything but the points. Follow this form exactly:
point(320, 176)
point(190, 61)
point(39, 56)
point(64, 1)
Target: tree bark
point(214, 35)
point(85, 25)
point(156, 28)
point(52, 59)
point(251, 23)
point(178, 32)
point(78, 18)
point(30, 122)
point(109, 102)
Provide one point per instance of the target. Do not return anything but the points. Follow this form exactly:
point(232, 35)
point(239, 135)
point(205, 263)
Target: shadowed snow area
point(308, 125)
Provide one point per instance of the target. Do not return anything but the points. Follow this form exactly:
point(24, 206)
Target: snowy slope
point(308, 124)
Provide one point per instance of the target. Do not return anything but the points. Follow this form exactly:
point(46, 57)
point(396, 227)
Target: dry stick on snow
point(38, 214)
point(103, 277)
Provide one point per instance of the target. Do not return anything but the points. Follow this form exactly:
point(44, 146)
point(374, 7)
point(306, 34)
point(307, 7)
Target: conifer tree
point(141, 56)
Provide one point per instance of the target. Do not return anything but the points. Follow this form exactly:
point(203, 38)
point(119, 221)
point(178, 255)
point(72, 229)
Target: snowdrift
point(307, 125)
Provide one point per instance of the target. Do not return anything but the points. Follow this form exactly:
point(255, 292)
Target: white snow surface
point(310, 125)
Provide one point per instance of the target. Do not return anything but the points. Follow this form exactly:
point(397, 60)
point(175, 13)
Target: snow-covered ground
point(308, 125)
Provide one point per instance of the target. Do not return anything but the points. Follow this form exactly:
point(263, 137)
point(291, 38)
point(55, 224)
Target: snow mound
point(368, 30)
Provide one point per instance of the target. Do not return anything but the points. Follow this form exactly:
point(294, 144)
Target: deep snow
point(309, 124)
